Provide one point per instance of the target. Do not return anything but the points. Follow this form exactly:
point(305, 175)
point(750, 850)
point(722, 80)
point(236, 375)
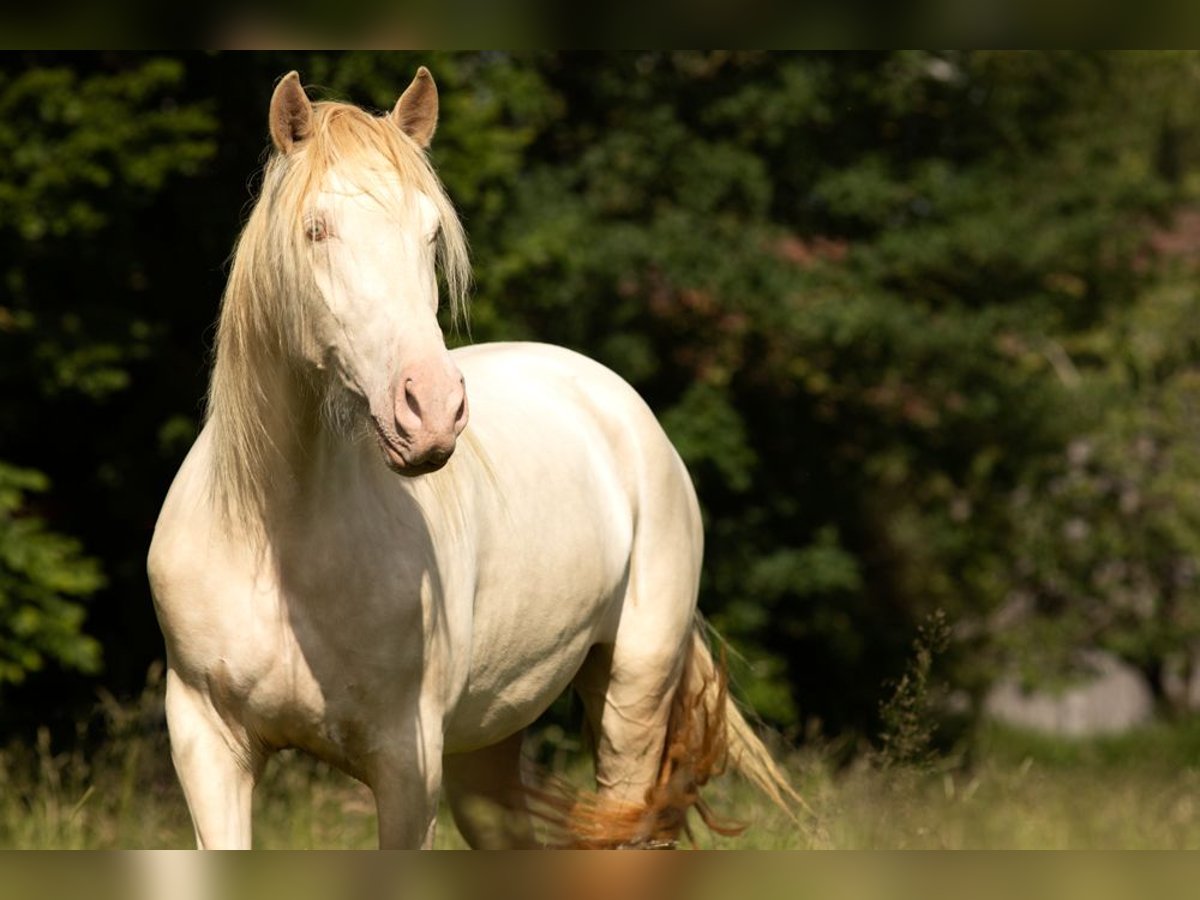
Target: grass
point(1014, 791)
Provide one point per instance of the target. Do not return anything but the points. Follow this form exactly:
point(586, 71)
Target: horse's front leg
point(216, 769)
point(407, 783)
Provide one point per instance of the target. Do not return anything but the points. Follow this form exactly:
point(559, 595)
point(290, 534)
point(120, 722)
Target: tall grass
point(1012, 790)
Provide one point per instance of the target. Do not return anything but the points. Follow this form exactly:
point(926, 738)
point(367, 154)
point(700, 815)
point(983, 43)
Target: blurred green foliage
point(81, 156)
point(40, 574)
point(920, 324)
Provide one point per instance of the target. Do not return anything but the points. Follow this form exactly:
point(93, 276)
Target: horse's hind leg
point(628, 686)
point(628, 700)
point(487, 796)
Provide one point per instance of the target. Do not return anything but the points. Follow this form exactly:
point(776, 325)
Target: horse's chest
point(350, 669)
point(324, 671)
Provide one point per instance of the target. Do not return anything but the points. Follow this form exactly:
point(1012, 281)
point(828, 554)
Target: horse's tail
point(744, 750)
point(706, 733)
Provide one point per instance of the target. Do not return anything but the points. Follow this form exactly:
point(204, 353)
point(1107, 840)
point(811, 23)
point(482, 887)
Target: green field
point(1011, 791)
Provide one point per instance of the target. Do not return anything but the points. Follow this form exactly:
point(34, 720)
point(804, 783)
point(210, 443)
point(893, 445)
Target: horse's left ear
point(416, 111)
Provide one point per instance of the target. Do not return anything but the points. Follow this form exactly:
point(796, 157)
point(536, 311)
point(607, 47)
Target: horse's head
point(360, 218)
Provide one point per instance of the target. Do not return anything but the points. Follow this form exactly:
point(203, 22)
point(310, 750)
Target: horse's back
point(539, 400)
point(516, 378)
point(546, 369)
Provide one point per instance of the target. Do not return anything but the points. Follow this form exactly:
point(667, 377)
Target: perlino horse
point(342, 566)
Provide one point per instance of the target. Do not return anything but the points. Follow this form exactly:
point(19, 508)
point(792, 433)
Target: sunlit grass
point(1139, 791)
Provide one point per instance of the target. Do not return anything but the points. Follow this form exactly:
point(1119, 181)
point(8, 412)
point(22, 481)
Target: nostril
point(410, 398)
point(460, 416)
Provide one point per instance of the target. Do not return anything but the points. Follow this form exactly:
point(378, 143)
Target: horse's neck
point(265, 478)
point(291, 414)
point(307, 474)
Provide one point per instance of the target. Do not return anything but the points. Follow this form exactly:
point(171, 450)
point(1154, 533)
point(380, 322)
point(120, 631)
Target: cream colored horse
point(340, 567)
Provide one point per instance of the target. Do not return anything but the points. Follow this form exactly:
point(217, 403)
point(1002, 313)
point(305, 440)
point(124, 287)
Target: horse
point(343, 566)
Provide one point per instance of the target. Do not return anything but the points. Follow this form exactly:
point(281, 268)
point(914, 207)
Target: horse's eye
point(315, 230)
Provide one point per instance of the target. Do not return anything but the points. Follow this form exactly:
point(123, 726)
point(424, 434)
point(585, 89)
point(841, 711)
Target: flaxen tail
point(745, 751)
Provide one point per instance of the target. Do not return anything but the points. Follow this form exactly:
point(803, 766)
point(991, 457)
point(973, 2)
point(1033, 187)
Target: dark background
point(923, 326)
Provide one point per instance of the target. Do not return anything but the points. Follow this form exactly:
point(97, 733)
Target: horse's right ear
point(291, 113)
point(416, 112)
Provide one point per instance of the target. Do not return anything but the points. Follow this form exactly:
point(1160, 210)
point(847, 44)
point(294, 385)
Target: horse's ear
point(416, 111)
point(291, 113)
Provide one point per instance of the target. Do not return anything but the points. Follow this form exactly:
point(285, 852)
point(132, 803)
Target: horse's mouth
point(399, 462)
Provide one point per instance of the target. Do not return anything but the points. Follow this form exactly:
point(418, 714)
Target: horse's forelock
point(360, 146)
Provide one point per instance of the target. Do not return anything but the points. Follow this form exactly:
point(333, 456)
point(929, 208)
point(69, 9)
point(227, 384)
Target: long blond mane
point(263, 329)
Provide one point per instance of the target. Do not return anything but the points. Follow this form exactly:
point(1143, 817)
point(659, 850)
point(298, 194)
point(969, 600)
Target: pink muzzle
point(430, 408)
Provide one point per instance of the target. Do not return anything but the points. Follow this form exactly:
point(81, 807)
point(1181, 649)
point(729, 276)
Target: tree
point(1108, 556)
point(879, 300)
point(40, 574)
point(82, 150)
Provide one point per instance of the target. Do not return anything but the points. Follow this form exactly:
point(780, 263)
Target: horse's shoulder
point(190, 545)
